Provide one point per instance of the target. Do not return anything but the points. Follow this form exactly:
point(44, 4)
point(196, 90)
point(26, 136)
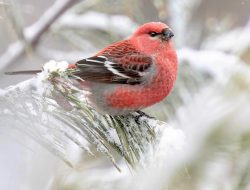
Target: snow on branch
point(33, 33)
point(119, 24)
point(53, 111)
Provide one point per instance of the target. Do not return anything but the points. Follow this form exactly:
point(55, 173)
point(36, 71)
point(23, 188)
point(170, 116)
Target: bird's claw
point(141, 114)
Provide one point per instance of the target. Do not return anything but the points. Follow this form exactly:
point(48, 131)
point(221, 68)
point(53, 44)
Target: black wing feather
point(102, 69)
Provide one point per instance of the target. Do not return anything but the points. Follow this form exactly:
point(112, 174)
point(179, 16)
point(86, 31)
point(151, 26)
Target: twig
point(33, 33)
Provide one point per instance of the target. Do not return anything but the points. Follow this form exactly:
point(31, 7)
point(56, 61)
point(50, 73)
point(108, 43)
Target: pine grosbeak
point(131, 74)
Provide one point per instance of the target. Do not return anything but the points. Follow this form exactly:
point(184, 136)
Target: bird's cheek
point(150, 46)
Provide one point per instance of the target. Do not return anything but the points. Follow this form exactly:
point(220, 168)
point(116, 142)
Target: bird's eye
point(153, 34)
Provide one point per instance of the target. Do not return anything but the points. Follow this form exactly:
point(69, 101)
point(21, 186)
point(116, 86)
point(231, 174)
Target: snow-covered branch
point(33, 33)
point(54, 112)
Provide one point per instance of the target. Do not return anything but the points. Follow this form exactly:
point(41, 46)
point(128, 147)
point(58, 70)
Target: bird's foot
point(140, 115)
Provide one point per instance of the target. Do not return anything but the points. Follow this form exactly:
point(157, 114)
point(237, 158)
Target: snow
point(2, 92)
point(12, 52)
point(120, 24)
point(54, 66)
point(220, 65)
point(34, 32)
point(235, 41)
point(113, 136)
point(23, 86)
point(172, 141)
point(40, 83)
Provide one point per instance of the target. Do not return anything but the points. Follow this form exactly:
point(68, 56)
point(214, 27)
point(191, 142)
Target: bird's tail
point(32, 72)
point(26, 72)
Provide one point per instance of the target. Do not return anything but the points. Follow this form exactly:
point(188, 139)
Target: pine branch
point(54, 112)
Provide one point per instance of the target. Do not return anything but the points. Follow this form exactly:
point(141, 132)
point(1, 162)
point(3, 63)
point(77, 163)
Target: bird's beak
point(166, 34)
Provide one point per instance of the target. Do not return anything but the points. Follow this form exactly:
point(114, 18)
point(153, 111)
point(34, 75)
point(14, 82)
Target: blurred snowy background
point(205, 146)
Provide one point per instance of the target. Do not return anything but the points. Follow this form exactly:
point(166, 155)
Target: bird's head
point(152, 36)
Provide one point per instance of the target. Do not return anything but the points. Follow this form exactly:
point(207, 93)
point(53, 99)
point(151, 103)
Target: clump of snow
point(39, 82)
point(23, 86)
point(171, 142)
point(54, 66)
point(113, 136)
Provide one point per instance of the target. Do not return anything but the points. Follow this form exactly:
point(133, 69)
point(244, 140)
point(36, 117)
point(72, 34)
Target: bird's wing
point(115, 65)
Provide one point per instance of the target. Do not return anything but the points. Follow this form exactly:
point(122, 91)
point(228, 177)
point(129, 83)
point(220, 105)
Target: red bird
point(131, 74)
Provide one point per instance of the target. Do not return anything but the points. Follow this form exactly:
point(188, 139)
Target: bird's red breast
point(153, 92)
